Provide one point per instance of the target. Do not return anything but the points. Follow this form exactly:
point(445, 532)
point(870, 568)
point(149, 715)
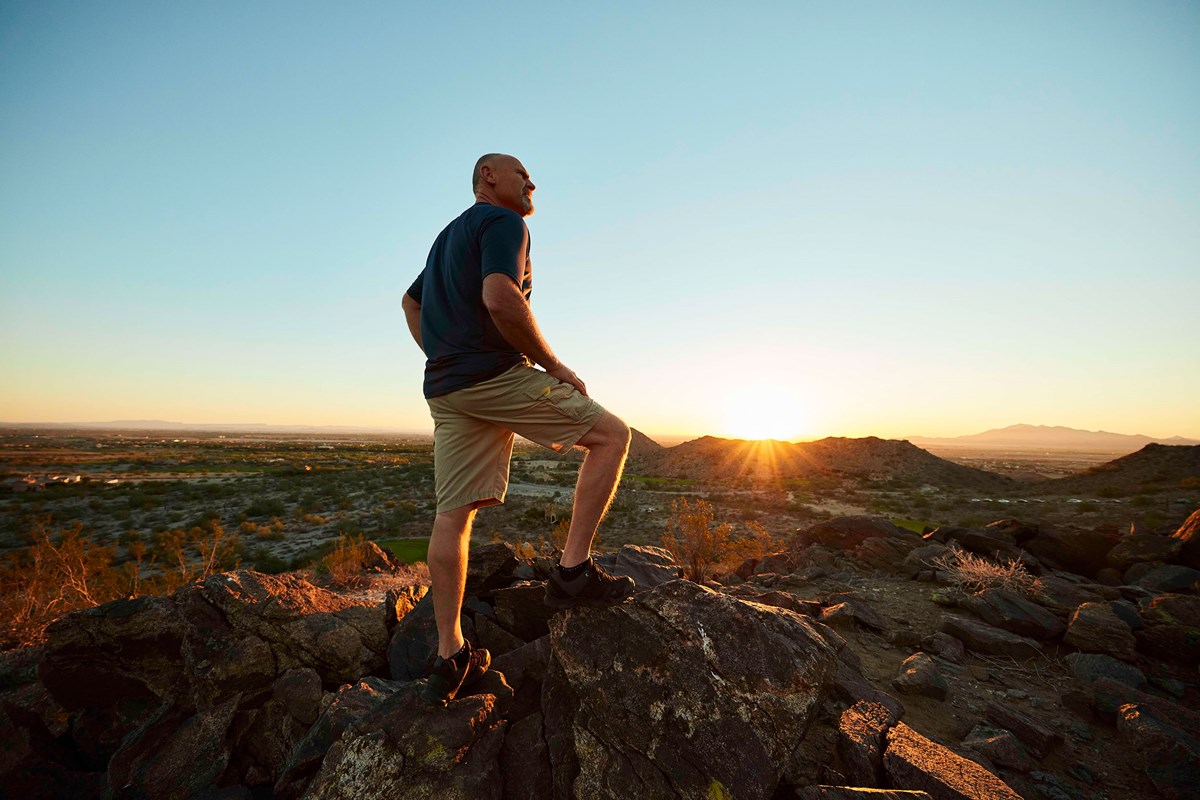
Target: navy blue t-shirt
point(462, 345)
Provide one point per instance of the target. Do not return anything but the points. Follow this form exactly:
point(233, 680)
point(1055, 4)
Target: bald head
point(502, 180)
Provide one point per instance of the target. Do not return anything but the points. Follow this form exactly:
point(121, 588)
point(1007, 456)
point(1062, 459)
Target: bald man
point(469, 313)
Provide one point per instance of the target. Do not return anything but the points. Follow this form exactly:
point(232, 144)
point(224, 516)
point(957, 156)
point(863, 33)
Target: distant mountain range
point(1047, 437)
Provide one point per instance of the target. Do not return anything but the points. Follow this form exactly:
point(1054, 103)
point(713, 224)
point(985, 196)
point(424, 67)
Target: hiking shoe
point(591, 587)
point(449, 676)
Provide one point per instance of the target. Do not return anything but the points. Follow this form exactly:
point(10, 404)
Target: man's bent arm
point(412, 314)
point(516, 323)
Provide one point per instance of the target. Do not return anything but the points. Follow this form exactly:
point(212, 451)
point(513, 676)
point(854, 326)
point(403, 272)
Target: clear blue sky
point(793, 219)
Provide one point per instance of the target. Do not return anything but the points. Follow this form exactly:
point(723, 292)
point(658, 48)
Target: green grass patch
point(914, 525)
point(409, 551)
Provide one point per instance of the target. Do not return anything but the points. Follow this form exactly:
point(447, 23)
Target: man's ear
point(485, 173)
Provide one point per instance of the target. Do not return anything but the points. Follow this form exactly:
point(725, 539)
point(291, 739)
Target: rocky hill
point(1051, 437)
point(1153, 468)
point(641, 445)
point(714, 459)
point(854, 660)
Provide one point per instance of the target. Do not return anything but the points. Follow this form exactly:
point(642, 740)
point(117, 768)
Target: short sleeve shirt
point(462, 344)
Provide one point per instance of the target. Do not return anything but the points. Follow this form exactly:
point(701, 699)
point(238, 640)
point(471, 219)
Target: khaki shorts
point(473, 431)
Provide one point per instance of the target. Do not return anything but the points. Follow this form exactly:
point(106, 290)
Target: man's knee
point(609, 431)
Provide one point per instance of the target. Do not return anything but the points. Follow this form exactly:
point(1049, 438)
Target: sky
point(791, 219)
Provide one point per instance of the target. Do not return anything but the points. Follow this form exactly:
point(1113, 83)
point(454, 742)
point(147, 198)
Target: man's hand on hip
point(567, 375)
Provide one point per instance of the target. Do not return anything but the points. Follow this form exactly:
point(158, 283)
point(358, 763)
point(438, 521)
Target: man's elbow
point(409, 304)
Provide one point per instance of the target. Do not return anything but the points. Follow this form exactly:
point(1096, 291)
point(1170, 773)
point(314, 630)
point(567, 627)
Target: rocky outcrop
point(1010, 611)
point(1189, 534)
point(915, 762)
point(680, 691)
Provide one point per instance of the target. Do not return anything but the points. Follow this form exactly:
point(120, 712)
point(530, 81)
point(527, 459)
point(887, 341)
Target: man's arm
point(412, 314)
point(514, 319)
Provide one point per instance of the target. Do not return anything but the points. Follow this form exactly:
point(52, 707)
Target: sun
point(763, 414)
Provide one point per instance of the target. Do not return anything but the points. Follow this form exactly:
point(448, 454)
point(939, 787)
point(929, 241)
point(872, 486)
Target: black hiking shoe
point(449, 676)
point(591, 587)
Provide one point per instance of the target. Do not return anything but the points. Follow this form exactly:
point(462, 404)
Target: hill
point(642, 445)
point(1154, 467)
point(1048, 437)
point(713, 459)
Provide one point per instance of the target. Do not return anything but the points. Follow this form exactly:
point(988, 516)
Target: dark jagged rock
point(1039, 738)
point(1063, 596)
point(1008, 610)
point(994, 544)
point(1089, 667)
point(1000, 747)
point(353, 701)
point(1171, 754)
point(522, 611)
point(495, 639)
point(376, 559)
point(846, 533)
point(1189, 534)
point(862, 734)
point(413, 645)
point(490, 567)
point(430, 751)
point(525, 669)
point(1082, 552)
point(1094, 628)
point(525, 761)
point(1170, 578)
point(1108, 697)
point(919, 675)
point(944, 646)
point(648, 566)
point(1138, 548)
point(856, 793)
point(681, 691)
point(915, 762)
point(1171, 628)
point(984, 638)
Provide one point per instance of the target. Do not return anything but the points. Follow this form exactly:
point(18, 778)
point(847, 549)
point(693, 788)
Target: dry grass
point(976, 574)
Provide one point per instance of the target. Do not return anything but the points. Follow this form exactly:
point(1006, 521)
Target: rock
point(413, 645)
point(1019, 532)
point(1128, 613)
point(850, 686)
point(862, 732)
point(863, 612)
point(1089, 667)
point(1173, 609)
point(495, 639)
point(489, 567)
point(521, 610)
point(920, 558)
point(919, 675)
point(1189, 534)
point(775, 563)
point(1081, 552)
point(1138, 548)
point(352, 702)
point(1000, 747)
point(1094, 628)
point(856, 793)
point(376, 559)
point(1171, 628)
point(1064, 596)
point(173, 754)
point(885, 553)
point(1108, 697)
point(992, 543)
point(648, 566)
point(410, 743)
point(850, 611)
point(525, 761)
point(1108, 577)
point(680, 691)
point(984, 638)
point(1169, 578)
point(914, 762)
point(1170, 753)
point(944, 646)
point(1040, 739)
point(398, 602)
point(261, 741)
point(779, 599)
point(524, 669)
point(846, 533)
point(299, 692)
point(1010, 611)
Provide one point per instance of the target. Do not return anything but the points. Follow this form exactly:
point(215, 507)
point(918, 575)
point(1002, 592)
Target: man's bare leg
point(448, 574)
point(607, 444)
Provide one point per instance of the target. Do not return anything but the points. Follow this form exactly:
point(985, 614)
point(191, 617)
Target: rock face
point(1189, 534)
point(862, 733)
point(648, 566)
point(682, 691)
point(914, 762)
point(1095, 628)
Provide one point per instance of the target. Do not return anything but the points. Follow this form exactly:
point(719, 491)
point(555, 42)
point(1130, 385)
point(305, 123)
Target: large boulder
point(993, 543)
point(1006, 609)
point(984, 638)
point(1090, 667)
point(1171, 628)
point(1095, 628)
point(1082, 552)
point(1189, 534)
point(847, 533)
point(1170, 578)
point(648, 566)
point(862, 734)
point(430, 751)
point(490, 567)
point(680, 691)
point(915, 762)
point(1141, 547)
point(919, 675)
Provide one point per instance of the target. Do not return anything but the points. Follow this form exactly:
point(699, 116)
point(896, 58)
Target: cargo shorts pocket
point(563, 397)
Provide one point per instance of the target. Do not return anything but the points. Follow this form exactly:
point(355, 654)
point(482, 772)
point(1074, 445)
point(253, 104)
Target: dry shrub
point(346, 564)
point(976, 574)
point(697, 542)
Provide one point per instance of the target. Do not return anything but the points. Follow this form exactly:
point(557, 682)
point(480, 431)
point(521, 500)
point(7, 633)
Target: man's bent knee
point(609, 431)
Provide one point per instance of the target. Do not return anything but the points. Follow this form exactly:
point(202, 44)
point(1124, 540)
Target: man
point(469, 312)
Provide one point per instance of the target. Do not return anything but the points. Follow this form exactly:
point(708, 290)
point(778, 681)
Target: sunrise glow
point(763, 412)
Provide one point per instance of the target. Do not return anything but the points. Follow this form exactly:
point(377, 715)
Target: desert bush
point(700, 544)
point(976, 574)
point(345, 565)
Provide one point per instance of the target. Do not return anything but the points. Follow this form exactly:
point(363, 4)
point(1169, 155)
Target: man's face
point(513, 187)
